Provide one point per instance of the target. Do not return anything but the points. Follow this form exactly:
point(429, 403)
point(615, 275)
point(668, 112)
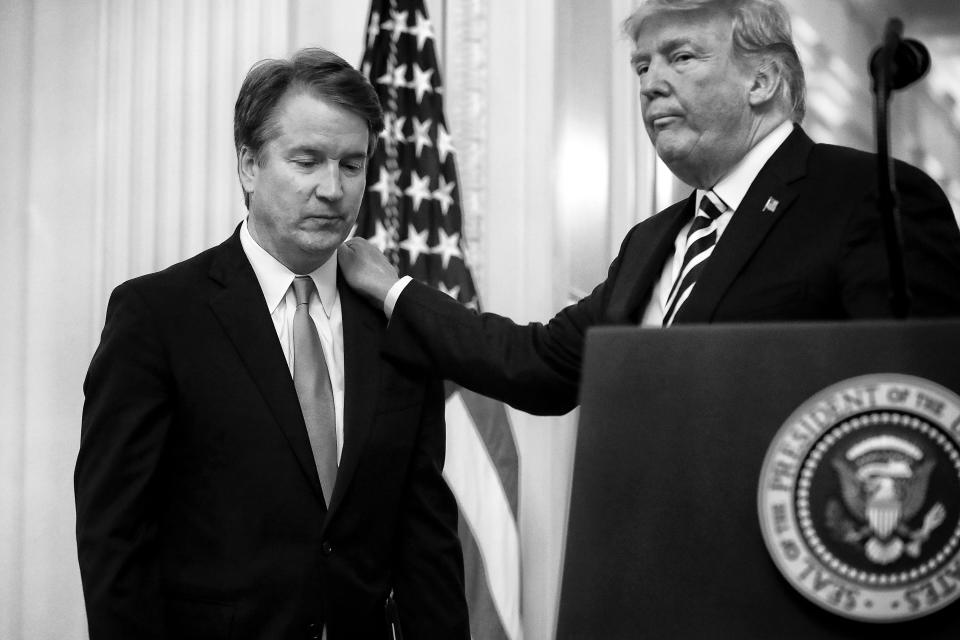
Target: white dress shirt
point(731, 189)
point(276, 282)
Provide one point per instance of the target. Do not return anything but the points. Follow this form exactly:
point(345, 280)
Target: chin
point(671, 157)
point(324, 244)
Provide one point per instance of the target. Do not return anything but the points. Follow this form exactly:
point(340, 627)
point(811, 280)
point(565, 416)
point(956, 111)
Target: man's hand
point(366, 269)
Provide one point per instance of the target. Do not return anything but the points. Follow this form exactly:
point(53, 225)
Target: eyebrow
point(636, 57)
point(314, 151)
point(667, 45)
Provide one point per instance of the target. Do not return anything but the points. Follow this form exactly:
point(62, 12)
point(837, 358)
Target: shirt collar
point(733, 187)
point(275, 278)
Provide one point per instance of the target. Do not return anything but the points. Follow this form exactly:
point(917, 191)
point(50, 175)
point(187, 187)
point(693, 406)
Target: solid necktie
point(701, 240)
point(312, 381)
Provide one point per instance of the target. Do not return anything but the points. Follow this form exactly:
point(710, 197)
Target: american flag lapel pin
point(771, 205)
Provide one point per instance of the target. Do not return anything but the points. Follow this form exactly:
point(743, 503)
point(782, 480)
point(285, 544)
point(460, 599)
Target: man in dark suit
point(249, 466)
point(777, 229)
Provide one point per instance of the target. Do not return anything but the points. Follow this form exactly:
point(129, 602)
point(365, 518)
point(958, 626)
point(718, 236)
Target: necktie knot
point(302, 286)
point(701, 239)
point(711, 205)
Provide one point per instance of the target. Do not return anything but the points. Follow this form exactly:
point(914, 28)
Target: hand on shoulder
point(366, 269)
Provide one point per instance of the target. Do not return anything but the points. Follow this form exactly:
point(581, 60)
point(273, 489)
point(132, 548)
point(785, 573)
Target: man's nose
point(653, 82)
point(329, 186)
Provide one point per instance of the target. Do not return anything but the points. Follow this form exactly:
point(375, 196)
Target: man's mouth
point(664, 120)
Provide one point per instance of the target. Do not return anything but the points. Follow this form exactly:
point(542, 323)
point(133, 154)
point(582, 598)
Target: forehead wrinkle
point(319, 150)
point(307, 139)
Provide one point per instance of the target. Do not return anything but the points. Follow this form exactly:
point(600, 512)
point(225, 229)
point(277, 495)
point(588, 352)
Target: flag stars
point(423, 31)
point(386, 186)
point(387, 126)
point(415, 243)
point(410, 138)
point(444, 194)
point(448, 247)
point(421, 134)
point(421, 81)
point(374, 29)
point(453, 292)
point(396, 79)
point(419, 189)
point(397, 125)
point(444, 143)
point(381, 237)
point(397, 24)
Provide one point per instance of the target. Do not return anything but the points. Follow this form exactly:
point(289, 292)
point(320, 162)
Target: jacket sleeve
point(534, 367)
point(126, 417)
point(428, 571)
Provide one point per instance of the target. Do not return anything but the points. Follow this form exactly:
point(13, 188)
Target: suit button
point(313, 631)
point(326, 548)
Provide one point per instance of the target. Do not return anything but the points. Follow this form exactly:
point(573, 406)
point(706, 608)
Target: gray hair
point(761, 31)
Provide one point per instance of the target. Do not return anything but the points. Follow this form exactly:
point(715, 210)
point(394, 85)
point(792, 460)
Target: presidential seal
point(859, 498)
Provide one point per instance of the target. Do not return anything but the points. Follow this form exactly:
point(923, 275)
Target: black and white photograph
point(479, 319)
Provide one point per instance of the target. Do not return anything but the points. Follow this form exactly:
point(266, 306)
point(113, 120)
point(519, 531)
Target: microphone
point(896, 64)
point(909, 59)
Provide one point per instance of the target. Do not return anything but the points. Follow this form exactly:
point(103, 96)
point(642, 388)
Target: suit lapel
point(750, 224)
point(241, 310)
point(362, 333)
point(643, 260)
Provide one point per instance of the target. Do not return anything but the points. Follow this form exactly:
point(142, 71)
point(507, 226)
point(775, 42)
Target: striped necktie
point(312, 381)
point(701, 239)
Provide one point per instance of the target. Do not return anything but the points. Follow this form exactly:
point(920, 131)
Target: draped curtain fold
point(117, 160)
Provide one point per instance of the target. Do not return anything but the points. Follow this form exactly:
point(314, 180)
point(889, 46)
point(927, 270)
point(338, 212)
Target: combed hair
point(761, 30)
point(316, 71)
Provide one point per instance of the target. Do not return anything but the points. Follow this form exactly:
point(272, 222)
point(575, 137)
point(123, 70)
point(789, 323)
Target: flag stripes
point(489, 419)
point(475, 482)
point(484, 617)
point(412, 212)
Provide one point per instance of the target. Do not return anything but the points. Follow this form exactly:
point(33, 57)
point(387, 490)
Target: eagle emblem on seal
point(883, 482)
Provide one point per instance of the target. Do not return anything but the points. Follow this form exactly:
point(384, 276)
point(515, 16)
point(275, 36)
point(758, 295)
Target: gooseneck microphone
point(901, 61)
point(896, 64)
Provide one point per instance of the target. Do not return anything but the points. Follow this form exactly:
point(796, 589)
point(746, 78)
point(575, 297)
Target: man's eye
point(305, 163)
point(352, 167)
point(641, 69)
point(682, 57)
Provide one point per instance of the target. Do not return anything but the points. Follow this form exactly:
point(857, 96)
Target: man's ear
point(247, 168)
point(766, 81)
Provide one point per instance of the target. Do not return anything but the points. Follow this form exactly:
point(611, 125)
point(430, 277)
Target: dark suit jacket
point(199, 510)
point(818, 256)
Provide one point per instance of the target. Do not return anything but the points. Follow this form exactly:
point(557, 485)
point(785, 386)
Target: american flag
point(412, 213)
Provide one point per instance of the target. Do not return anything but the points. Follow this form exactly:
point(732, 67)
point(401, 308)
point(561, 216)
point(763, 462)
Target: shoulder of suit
point(844, 164)
point(178, 277)
point(840, 161)
point(662, 217)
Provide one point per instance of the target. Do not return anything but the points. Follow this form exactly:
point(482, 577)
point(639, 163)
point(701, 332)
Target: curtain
point(117, 160)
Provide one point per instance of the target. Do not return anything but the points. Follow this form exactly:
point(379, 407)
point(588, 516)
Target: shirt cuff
point(394, 294)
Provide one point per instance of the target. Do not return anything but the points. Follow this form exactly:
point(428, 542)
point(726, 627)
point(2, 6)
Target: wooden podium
point(664, 537)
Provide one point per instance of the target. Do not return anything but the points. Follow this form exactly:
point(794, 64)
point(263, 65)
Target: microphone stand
point(888, 199)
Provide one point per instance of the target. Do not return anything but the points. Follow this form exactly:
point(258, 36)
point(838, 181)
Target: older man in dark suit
point(250, 467)
point(777, 229)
